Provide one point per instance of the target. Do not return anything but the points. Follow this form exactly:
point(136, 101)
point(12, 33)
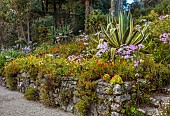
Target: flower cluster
point(164, 37)
point(162, 17)
point(82, 37)
point(102, 48)
point(75, 58)
point(100, 35)
point(27, 49)
point(126, 52)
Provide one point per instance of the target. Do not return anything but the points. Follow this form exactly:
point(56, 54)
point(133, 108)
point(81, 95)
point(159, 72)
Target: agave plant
point(124, 32)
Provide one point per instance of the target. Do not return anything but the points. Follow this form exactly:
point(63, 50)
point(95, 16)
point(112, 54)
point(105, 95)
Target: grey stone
point(63, 107)
point(115, 114)
point(128, 85)
point(104, 84)
point(166, 90)
point(101, 96)
point(75, 99)
point(102, 108)
point(70, 107)
point(102, 89)
point(55, 95)
point(75, 92)
point(161, 100)
point(141, 110)
point(144, 81)
point(64, 83)
point(117, 89)
point(24, 74)
point(122, 98)
point(115, 107)
point(110, 98)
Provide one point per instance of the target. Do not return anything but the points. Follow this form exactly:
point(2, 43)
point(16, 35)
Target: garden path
point(12, 103)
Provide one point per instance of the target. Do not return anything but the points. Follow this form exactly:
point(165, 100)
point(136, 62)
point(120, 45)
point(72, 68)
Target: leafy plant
point(124, 32)
point(31, 94)
point(95, 21)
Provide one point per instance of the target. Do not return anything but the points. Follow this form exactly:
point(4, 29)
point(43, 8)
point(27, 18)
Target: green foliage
point(31, 94)
point(116, 80)
point(11, 82)
point(124, 32)
point(160, 26)
point(95, 21)
point(42, 27)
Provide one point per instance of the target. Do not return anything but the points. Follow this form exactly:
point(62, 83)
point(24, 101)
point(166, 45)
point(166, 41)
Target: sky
point(129, 1)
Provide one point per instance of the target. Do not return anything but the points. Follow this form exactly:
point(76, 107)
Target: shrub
point(95, 21)
point(31, 94)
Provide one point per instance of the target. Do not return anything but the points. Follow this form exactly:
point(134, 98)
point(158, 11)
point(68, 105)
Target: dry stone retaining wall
point(113, 97)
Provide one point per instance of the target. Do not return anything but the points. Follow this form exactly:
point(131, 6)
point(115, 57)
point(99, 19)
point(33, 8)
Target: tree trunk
point(120, 6)
point(43, 9)
point(28, 31)
point(46, 5)
point(87, 11)
point(22, 30)
point(112, 9)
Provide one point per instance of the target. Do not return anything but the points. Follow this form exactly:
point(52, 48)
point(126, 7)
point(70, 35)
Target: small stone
point(122, 98)
point(128, 85)
point(101, 96)
point(55, 95)
point(64, 83)
point(70, 107)
point(76, 99)
point(24, 74)
point(64, 107)
point(141, 110)
point(115, 114)
point(117, 89)
point(115, 107)
point(110, 98)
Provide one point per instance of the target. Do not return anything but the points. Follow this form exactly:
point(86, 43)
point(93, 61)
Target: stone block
point(115, 114)
point(122, 98)
point(115, 107)
point(70, 107)
point(128, 86)
point(75, 99)
point(117, 89)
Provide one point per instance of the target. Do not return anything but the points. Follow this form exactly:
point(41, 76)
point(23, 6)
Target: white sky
point(129, 1)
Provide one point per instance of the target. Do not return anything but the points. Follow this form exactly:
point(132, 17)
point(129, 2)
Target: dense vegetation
point(51, 38)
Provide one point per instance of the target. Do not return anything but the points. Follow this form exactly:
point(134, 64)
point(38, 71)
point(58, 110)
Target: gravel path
point(13, 104)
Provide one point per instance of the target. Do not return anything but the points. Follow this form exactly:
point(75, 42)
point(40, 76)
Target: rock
point(166, 90)
point(161, 100)
point(76, 99)
point(102, 109)
point(24, 74)
point(115, 114)
point(115, 107)
point(122, 98)
point(101, 96)
point(70, 107)
point(55, 95)
point(103, 90)
point(141, 110)
point(117, 89)
point(128, 85)
point(64, 83)
point(111, 97)
point(63, 107)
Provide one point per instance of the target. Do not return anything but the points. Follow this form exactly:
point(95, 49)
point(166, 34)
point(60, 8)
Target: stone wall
point(113, 97)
